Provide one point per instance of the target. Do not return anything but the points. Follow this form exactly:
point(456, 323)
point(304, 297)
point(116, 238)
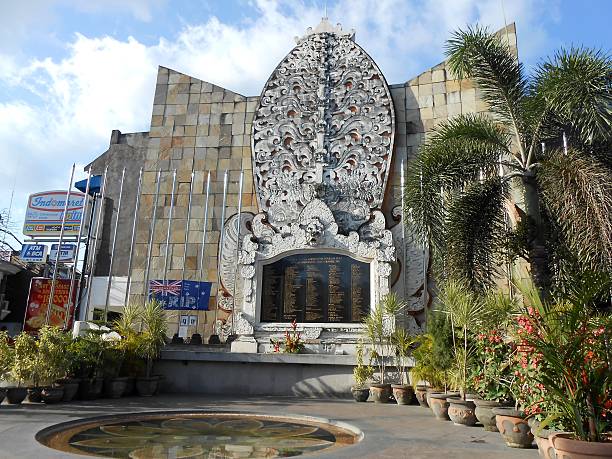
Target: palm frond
point(458, 151)
point(476, 233)
point(577, 192)
point(575, 86)
point(480, 55)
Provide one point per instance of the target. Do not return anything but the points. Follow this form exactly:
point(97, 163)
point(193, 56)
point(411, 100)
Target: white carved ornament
point(324, 129)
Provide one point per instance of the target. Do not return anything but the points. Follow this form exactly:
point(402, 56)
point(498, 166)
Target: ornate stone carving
point(324, 129)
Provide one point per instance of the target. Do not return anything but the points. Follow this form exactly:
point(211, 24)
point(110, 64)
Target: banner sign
point(181, 295)
point(38, 300)
point(66, 254)
point(34, 253)
point(46, 210)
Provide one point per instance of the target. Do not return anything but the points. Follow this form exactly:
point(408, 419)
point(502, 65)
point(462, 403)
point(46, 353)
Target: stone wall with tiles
point(195, 126)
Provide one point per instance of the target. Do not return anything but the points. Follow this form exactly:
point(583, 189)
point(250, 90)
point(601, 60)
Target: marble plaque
point(318, 287)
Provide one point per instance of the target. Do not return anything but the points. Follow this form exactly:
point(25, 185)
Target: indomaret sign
point(45, 212)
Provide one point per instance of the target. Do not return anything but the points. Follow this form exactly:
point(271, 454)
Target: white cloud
point(103, 83)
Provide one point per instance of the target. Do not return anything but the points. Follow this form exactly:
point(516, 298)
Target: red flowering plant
point(492, 373)
point(564, 363)
point(292, 343)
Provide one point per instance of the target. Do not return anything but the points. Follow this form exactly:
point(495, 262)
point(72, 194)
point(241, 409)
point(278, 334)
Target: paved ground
point(390, 431)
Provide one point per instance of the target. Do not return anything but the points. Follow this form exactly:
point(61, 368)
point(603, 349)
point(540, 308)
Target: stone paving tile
point(390, 431)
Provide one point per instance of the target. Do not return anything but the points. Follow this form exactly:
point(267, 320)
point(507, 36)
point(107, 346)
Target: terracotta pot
point(360, 394)
point(461, 412)
point(160, 382)
point(513, 427)
point(403, 393)
point(433, 390)
point(566, 447)
point(146, 387)
point(130, 386)
point(90, 389)
point(16, 395)
point(2, 394)
point(71, 387)
point(114, 387)
point(34, 394)
point(542, 439)
point(421, 395)
point(484, 413)
point(51, 395)
point(439, 405)
point(380, 392)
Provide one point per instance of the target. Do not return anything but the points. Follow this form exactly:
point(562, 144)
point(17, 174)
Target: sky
point(73, 70)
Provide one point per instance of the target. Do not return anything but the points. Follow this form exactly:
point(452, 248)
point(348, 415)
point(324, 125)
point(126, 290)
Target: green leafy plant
point(424, 369)
point(362, 374)
point(378, 330)
point(153, 335)
point(6, 355)
point(292, 341)
point(403, 342)
point(572, 340)
point(51, 362)
point(460, 182)
point(442, 350)
point(87, 354)
point(23, 356)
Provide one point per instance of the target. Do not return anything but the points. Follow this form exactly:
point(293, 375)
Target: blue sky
point(73, 70)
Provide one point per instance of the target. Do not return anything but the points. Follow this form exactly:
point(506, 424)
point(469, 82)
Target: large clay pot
point(484, 413)
point(2, 394)
point(51, 395)
point(513, 427)
point(130, 386)
point(439, 405)
point(16, 395)
point(542, 439)
point(146, 387)
point(34, 394)
point(433, 390)
point(114, 387)
point(461, 412)
point(421, 395)
point(90, 389)
point(566, 447)
point(360, 394)
point(380, 392)
point(71, 387)
point(403, 393)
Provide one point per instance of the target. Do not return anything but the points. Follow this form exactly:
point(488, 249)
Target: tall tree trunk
point(538, 252)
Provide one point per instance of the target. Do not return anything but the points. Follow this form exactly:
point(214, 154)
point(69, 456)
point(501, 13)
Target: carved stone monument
point(322, 144)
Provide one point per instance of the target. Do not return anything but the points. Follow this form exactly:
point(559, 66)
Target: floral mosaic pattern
point(202, 437)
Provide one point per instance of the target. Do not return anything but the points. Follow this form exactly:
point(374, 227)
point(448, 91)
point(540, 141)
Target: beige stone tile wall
point(196, 126)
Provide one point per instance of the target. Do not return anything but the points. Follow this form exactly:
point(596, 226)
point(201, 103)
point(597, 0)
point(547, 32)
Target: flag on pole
point(181, 295)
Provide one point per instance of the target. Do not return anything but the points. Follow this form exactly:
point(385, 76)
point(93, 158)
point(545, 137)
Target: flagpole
point(59, 250)
point(164, 292)
point(204, 234)
point(220, 251)
point(132, 240)
point(145, 288)
point(112, 254)
point(187, 227)
point(76, 254)
point(235, 292)
point(95, 246)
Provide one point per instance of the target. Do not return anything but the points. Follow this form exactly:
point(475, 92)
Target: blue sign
point(34, 253)
point(181, 295)
point(66, 254)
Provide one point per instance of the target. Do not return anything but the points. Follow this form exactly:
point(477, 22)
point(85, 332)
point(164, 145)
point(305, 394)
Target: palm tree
point(469, 165)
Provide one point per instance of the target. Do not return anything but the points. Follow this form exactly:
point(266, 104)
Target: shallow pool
point(197, 435)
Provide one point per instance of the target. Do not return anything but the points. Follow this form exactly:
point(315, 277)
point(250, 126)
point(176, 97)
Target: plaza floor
point(390, 431)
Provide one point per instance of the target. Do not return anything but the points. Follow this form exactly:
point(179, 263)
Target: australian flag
point(181, 295)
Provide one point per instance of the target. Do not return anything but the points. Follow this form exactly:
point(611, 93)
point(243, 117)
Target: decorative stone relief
point(324, 129)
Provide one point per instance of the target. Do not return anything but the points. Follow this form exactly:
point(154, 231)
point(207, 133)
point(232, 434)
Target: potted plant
point(24, 352)
point(6, 359)
point(423, 370)
point(51, 362)
point(379, 326)
point(402, 341)
point(113, 355)
point(464, 309)
point(291, 343)
point(88, 351)
point(362, 375)
point(69, 381)
point(151, 340)
point(573, 340)
point(492, 373)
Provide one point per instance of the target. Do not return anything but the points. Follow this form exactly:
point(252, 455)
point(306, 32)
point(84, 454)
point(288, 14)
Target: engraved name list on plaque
point(315, 288)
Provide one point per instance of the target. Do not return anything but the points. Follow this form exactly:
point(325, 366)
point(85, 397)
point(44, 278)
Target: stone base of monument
point(244, 344)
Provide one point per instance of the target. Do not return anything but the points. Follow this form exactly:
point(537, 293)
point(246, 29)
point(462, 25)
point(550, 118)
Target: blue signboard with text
point(34, 253)
point(181, 295)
